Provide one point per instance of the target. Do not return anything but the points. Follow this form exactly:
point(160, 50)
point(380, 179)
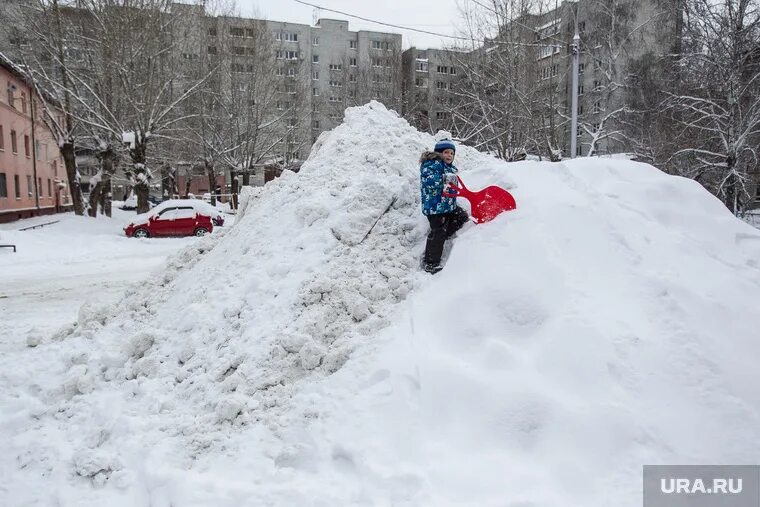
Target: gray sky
point(432, 15)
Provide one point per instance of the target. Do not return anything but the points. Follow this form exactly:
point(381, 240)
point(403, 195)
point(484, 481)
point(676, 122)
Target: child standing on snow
point(436, 173)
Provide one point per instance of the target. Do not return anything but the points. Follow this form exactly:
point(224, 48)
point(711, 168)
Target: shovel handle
point(460, 192)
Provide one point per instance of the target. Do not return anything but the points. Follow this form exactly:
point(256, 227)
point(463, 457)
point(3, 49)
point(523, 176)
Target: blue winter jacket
point(432, 178)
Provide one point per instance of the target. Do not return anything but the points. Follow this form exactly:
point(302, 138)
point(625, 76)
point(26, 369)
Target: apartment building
point(430, 77)
point(643, 27)
point(32, 175)
point(318, 71)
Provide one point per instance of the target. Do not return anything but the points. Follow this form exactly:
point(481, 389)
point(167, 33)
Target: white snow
point(300, 357)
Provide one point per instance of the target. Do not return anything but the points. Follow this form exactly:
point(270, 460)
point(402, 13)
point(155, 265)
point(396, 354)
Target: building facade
point(430, 78)
point(32, 175)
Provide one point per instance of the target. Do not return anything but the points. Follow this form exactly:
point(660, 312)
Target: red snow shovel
point(486, 204)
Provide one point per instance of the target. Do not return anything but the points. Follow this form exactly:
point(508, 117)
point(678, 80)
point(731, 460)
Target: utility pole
point(575, 47)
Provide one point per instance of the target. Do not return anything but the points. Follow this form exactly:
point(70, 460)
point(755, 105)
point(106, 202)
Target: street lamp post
point(575, 47)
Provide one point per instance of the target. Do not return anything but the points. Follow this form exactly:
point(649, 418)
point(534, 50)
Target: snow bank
point(301, 358)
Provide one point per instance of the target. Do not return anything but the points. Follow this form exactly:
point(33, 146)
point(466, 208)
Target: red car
point(171, 220)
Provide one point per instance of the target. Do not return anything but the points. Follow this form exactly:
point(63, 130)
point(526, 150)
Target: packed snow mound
point(301, 357)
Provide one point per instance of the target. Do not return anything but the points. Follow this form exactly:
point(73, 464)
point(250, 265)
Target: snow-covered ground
point(300, 357)
point(59, 267)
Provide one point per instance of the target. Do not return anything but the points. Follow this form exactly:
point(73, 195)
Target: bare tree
point(718, 105)
point(48, 60)
point(505, 103)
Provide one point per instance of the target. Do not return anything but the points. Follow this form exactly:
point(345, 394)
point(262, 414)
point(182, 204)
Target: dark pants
point(442, 227)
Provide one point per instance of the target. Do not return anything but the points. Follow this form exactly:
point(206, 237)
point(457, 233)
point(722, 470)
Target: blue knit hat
point(445, 144)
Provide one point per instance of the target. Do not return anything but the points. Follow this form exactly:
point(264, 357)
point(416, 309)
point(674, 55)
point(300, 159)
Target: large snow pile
point(301, 358)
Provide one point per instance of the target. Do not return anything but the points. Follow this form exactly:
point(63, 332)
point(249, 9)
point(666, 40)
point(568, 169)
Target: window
point(421, 66)
point(453, 71)
point(291, 122)
point(352, 94)
point(377, 62)
point(315, 124)
point(595, 127)
point(212, 32)
point(211, 50)
point(237, 32)
point(581, 68)
point(420, 82)
point(334, 99)
point(168, 214)
point(50, 188)
point(597, 106)
point(580, 131)
point(277, 35)
point(23, 102)
point(14, 142)
point(290, 37)
point(314, 58)
point(579, 150)
point(292, 72)
point(352, 62)
point(544, 52)
point(315, 92)
point(377, 44)
point(11, 102)
point(249, 32)
point(17, 186)
point(315, 75)
point(352, 44)
point(335, 84)
point(597, 85)
point(315, 41)
point(185, 212)
point(238, 67)
point(279, 54)
point(279, 71)
point(2, 139)
point(238, 50)
point(3, 186)
point(29, 186)
point(39, 186)
point(581, 27)
point(580, 89)
point(442, 69)
point(291, 55)
point(580, 109)
point(442, 115)
point(352, 78)
point(27, 147)
point(336, 66)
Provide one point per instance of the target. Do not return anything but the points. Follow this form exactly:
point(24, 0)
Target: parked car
point(130, 203)
point(170, 218)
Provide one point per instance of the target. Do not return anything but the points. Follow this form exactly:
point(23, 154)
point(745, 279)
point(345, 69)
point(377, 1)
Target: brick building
point(32, 175)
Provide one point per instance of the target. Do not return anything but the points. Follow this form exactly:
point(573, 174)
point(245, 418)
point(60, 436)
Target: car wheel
point(141, 233)
point(200, 231)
